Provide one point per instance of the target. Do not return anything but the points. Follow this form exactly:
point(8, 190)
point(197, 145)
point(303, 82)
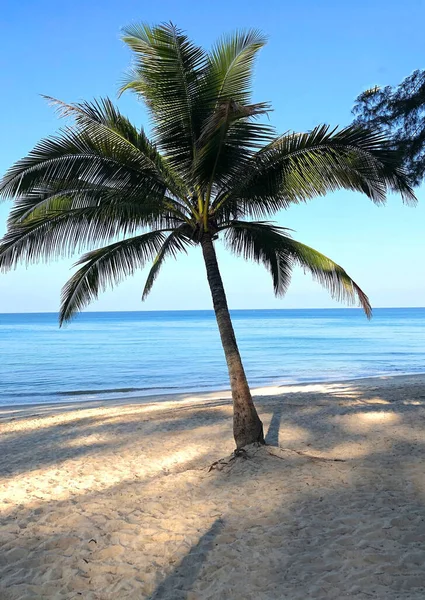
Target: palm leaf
point(229, 70)
point(107, 267)
point(263, 242)
point(49, 201)
point(76, 158)
point(227, 141)
point(103, 120)
point(166, 73)
point(101, 160)
point(63, 232)
point(297, 167)
point(228, 136)
point(256, 241)
point(176, 242)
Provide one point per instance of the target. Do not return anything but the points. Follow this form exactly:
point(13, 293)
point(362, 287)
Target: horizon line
point(49, 312)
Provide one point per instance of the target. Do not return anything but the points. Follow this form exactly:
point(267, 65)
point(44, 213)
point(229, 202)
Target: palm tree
point(210, 168)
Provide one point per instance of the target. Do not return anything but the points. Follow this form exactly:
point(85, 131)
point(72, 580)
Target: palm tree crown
point(210, 168)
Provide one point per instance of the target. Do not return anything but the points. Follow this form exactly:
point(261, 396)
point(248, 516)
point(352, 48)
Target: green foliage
point(176, 242)
point(211, 164)
point(107, 266)
point(274, 247)
point(399, 112)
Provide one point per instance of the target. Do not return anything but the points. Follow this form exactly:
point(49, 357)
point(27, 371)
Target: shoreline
point(202, 398)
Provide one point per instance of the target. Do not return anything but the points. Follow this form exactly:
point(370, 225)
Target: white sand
point(115, 501)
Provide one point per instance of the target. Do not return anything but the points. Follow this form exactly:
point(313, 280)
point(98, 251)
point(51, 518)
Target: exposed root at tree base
point(301, 453)
point(240, 453)
point(250, 451)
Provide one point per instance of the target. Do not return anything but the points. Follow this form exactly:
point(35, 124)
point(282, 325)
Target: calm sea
point(125, 354)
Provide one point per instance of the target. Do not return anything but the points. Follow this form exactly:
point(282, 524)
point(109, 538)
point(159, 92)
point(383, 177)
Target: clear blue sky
point(319, 57)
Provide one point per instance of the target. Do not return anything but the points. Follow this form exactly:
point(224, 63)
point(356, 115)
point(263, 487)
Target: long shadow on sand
point(272, 435)
point(333, 530)
point(186, 573)
point(83, 435)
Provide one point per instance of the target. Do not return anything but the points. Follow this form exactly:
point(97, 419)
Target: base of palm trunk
point(247, 429)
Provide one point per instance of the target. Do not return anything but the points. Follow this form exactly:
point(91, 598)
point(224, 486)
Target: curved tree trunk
point(247, 427)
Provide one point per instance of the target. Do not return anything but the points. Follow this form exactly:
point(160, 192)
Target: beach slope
point(118, 500)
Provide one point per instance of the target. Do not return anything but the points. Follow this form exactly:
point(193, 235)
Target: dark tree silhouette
point(399, 112)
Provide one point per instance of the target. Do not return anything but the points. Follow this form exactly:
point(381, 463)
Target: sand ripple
point(117, 501)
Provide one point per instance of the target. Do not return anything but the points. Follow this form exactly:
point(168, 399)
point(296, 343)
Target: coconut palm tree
point(211, 170)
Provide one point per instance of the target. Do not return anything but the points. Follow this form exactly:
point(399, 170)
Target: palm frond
point(256, 241)
point(228, 139)
point(272, 246)
point(297, 167)
point(166, 71)
point(107, 267)
point(102, 161)
point(63, 232)
point(228, 135)
point(102, 119)
point(229, 69)
point(48, 201)
point(77, 158)
point(176, 242)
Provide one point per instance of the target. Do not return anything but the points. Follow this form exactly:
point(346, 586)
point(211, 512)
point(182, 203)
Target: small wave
point(91, 392)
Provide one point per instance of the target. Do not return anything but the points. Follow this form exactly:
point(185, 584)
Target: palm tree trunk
point(247, 427)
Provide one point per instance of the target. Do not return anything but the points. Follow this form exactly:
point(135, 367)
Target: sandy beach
point(117, 499)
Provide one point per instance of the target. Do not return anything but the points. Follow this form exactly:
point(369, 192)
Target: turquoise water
point(124, 354)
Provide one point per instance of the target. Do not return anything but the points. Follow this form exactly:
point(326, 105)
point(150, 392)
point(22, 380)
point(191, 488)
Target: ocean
point(128, 354)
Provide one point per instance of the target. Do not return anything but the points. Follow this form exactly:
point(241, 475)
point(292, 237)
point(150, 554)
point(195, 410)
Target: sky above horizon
point(320, 56)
